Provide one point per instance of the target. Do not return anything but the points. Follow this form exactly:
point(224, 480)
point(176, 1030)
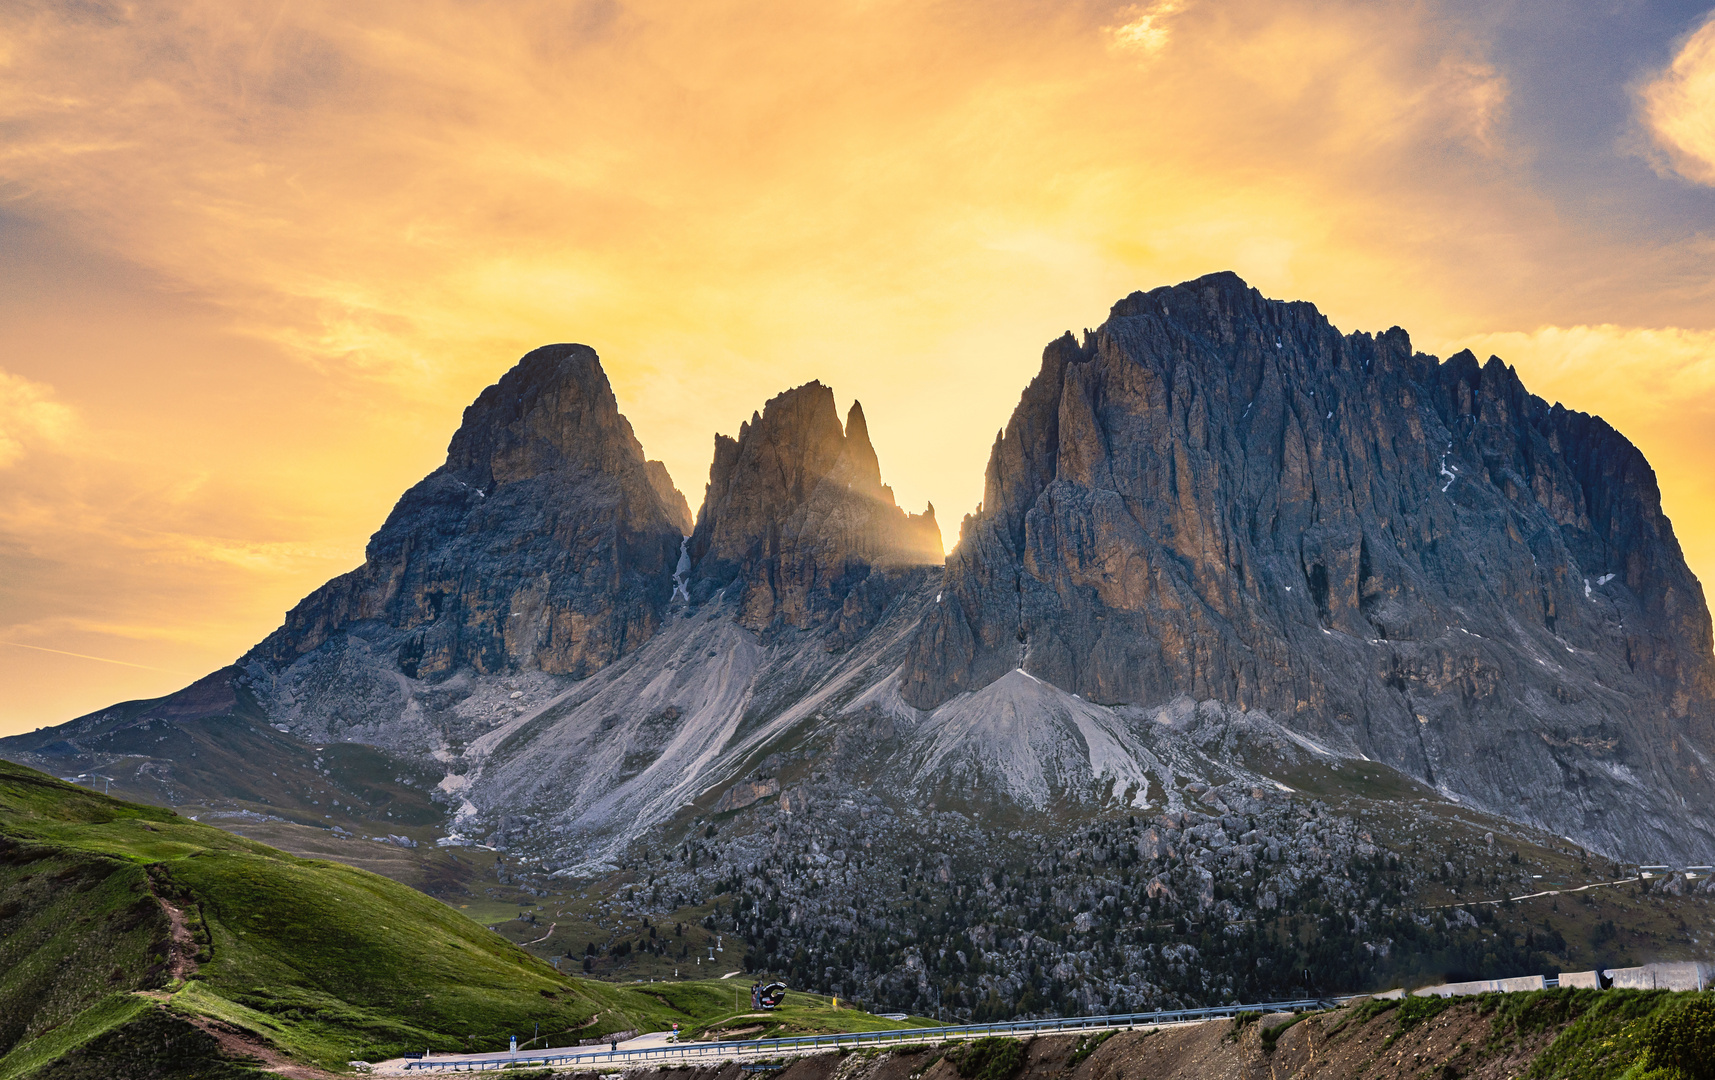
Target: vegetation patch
point(1369, 1010)
point(93, 1022)
point(153, 1044)
point(1089, 1044)
point(990, 1058)
point(321, 961)
point(1415, 1010)
point(1271, 1035)
point(1679, 1042)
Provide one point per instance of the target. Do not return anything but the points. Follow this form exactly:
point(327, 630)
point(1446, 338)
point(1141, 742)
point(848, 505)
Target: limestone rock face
point(1220, 496)
point(545, 542)
point(672, 499)
point(796, 513)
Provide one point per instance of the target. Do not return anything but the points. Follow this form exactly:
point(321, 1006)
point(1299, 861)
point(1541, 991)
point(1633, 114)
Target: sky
point(256, 257)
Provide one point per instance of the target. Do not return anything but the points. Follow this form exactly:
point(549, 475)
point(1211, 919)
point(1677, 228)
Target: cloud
point(335, 221)
point(29, 415)
point(1144, 30)
point(1664, 368)
point(404, 197)
point(1679, 107)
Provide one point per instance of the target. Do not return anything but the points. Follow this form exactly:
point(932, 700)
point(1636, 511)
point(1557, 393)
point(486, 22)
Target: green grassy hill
point(135, 942)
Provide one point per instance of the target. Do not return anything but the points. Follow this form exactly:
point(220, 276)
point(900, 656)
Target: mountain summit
point(1219, 496)
point(796, 512)
point(546, 541)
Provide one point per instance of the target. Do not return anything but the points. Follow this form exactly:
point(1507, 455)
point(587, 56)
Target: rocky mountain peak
point(796, 512)
point(1220, 496)
point(859, 465)
point(546, 540)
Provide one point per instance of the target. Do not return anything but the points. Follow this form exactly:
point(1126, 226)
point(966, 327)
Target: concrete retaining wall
point(1484, 986)
point(1687, 975)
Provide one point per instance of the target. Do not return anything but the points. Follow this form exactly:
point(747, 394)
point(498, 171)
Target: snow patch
point(680, 571)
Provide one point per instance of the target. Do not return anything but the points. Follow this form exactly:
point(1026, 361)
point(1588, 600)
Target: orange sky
point(255, 258)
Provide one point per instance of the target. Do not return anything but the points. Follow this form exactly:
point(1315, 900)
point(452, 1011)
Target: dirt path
point(241, 1044)
point(181, 943)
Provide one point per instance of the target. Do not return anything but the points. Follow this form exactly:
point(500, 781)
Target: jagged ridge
point(796, 512)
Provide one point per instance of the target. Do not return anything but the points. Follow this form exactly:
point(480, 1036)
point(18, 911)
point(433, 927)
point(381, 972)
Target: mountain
point(1258, 623)
point(1220, 496)
point(546, 541)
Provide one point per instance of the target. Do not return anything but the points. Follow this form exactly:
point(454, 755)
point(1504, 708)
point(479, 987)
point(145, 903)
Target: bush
point(1089, 1045)
point(1681, 1043)
point(991, 1058)
point(1415, 1010)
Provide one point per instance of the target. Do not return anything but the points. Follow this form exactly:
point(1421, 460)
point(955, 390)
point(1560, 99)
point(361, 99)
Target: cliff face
point(545, 542)
point(1218, 495)
point(796, 513)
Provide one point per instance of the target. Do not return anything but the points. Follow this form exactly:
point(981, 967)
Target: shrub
point(1415, 1010)
point(1089, 1045)
point(991, 1058)
point(1681, 1043)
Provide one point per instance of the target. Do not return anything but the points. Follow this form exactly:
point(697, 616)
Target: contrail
point(86, 656)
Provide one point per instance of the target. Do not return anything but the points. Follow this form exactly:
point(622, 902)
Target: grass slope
point(120, 921)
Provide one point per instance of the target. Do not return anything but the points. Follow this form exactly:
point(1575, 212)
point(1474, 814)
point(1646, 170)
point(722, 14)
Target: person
point(613, 1046)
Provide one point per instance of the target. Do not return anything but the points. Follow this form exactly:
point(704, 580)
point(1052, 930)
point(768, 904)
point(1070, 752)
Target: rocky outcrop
point(672, 499)
point(745, 793)
point(1220, 496)
point(796, 513)
point(546, 541)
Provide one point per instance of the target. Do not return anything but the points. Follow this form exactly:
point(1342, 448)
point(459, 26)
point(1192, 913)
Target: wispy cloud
point(1679, 107)
point(99, 659)
point(29, 415)
point(1145, 30)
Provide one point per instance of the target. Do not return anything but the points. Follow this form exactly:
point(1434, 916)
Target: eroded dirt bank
point(1466, 1040)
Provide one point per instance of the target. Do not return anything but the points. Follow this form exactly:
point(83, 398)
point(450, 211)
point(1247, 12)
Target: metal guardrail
point(799, 1044)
